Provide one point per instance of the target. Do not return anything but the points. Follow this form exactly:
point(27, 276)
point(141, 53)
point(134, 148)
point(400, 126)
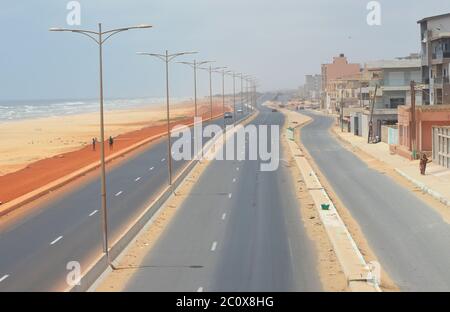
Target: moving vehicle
point(228, 115)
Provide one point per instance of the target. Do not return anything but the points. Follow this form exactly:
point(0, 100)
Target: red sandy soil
point(42, 172)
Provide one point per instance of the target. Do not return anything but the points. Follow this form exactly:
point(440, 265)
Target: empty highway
point(239, 230)
point(36, 249)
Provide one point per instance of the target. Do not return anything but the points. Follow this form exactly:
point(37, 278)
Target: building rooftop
point(433, 17)
point(396, 63)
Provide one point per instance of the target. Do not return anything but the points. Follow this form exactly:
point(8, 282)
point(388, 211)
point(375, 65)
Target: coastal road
point(35, 250)
point(409, 238)
point(239, 229)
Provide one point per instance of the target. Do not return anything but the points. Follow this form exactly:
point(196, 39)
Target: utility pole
point(370, 135)
point(342, 110)
point(413, 120)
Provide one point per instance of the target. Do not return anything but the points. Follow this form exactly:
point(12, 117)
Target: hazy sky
point(279, 41)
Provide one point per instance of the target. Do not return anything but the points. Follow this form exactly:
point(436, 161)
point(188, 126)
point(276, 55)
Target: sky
point(277, 41)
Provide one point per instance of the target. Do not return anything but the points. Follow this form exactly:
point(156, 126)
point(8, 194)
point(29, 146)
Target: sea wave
point(18, 110)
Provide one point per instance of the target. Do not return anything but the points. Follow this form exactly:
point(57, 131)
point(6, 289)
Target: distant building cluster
point(403, 101)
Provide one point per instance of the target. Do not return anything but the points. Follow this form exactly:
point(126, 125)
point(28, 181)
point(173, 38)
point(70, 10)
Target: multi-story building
point(312, 87)
point(435, 43)
point(393, 78)
point(340, 68)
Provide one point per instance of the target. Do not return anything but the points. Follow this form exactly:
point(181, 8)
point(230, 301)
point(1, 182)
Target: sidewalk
point(436, 182)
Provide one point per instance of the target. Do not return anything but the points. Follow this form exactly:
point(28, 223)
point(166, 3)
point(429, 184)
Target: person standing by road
point(94, 142)
point(423, 163)
point(111, 142)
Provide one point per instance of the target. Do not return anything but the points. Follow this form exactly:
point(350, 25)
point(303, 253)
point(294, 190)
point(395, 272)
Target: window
point(394, 102)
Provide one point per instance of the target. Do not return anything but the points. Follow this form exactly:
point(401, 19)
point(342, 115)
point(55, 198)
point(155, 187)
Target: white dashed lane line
point(4, 277)
point(163, 159)
point(151, 168)
point(56, 240)
point(237, 168)
point(118, 193)
point(234, 180)
point(224, 216)
point(137, 179)
point(200, 289)
point(93, 213)
point(214, 246)
point(229, 195)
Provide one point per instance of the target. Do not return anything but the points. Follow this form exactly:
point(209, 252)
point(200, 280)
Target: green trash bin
point(325, 206)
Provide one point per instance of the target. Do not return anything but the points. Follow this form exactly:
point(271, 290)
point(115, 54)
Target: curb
point(100, 266)
point(444, 200)
point(58, 183)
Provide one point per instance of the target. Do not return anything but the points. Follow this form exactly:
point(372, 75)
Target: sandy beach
point(37, 151)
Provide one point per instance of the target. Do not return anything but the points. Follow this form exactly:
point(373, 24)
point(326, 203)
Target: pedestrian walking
point(111, 142)
point(94, 142)
point(423, 163)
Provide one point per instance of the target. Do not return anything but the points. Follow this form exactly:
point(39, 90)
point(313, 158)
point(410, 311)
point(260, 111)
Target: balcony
point(440, 55)
point(440, 80)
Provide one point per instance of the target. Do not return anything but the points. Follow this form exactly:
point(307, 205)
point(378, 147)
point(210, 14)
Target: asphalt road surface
point(239, 230)
point(409, 238)
point(34, 251)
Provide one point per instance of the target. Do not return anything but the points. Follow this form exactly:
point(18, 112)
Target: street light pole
point(211, 69)
point(99, 39)
point(166, 58)
point(195, 65)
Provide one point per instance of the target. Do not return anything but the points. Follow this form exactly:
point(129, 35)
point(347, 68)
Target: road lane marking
point(4, 277)
point(237, 168)
point(93, 213)
point(234, 180)
point(200, 289)
point(213, 247)
point(56, 240)
point(229, 195)
point(150, 169)
point(163, 159)
point(224, 216)
point(137, 179)
point(118, 193)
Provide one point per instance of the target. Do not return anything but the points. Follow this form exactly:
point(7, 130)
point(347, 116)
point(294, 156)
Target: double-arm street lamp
point(167, 58)
point(223, 72)
point(233, 74)
point(195, 65)
point(248, 79)
point(211, 69)
point(100, 37)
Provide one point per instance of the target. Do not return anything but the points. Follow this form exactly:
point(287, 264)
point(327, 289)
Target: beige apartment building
point(340, 68)
point(435, 44)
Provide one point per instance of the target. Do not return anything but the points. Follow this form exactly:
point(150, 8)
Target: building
point(393, 78)
point(426, 116)
point(441, 146)
point(339, 68)
point(435, 45)
point(312, 87)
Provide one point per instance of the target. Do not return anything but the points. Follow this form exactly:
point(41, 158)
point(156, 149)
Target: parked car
point(274, 110)
point(239, 111)
point(228, 115)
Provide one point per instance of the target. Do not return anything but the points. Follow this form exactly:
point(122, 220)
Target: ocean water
point(19, 110)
